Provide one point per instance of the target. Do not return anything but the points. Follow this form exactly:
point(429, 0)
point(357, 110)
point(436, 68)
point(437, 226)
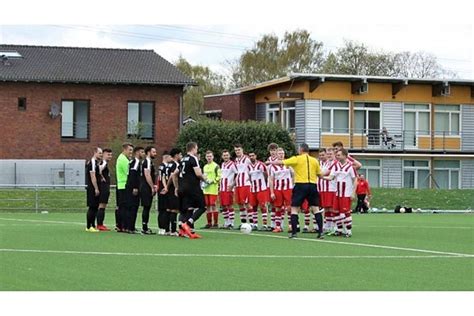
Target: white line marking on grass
point(356, 244)
point(38, 221)
point(282, 237)
point(222, 255)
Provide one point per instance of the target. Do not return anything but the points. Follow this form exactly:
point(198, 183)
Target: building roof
point(88, 65)
point(350, 78)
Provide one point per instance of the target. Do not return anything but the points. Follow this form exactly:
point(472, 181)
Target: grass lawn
point(387, 252)
point(74, 200)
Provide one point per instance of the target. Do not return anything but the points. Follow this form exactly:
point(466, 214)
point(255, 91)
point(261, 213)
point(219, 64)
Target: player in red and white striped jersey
point(338, 146)
point(272, 149)
point(226, 189)
point(242, 182)
point(259, 193)
point(327, 191)
point(346, 183)
point(281, 186)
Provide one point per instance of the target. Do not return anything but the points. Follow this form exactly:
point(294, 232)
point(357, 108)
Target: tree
point(208, 82)
point(272, 57)
point(356, 59)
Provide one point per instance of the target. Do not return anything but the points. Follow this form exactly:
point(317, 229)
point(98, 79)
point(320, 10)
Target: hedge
point(219, 135)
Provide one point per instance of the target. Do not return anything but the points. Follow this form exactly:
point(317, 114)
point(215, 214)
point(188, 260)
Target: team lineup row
point(277, 186)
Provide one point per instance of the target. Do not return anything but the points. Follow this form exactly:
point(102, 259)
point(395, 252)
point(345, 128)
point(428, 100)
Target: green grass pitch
point(387, 252)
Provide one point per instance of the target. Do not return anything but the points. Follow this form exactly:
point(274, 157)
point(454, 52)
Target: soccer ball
point(246, 228)
point(402, 210)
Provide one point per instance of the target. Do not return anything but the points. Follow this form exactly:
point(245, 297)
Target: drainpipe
point(181, 107)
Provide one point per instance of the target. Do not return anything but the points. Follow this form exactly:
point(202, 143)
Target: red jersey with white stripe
point(282, 178)
point(344, 176)
point(242, 164)
point(257, 173)
point(327, 185)
point(228, 173)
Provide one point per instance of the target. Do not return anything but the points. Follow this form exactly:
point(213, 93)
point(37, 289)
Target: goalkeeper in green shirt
point(211, 189)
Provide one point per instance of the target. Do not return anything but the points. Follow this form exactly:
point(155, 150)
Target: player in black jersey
point(92, 179)
point(172, 200)
point(104, 188)
point(147, 187)
point(165, 157)
point(188, 188)
point(132, 189)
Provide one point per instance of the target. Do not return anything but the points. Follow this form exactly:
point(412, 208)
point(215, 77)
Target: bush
point(219, 135)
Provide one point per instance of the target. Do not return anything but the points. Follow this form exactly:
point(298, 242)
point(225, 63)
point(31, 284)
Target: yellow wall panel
point(424, 142)
point(327, 140)
point(447, 143)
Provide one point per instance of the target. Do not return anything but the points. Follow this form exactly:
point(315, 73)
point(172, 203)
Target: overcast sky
point(213, 43)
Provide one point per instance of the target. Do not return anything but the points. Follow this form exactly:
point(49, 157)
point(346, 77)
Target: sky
point(214, 45)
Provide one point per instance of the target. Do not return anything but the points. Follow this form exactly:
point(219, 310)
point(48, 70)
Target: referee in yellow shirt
point(307, 171)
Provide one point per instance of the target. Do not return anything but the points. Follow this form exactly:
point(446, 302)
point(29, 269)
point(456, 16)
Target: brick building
point(59, 102)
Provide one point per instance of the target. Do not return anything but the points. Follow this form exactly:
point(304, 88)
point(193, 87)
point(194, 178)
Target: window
point(446, 174)
point(140, 120)
point(371, 171)
point(75, 119)
point(289, 115)
point(447, 120)
point(416, 174)
point(416, 122)
point(367, 121)
point(21, 104)
point(288, 120)
point(335, 117)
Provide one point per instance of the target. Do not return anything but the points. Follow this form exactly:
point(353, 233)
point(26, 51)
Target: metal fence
point(48, 198)
point(57, 172)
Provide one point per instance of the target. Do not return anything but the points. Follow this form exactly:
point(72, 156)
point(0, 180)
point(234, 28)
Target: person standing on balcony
point(338, 146)
point(387, 140)
point(362, 191)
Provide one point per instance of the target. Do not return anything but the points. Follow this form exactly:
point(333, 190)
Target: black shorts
point(146, 197)
point(104, 189)
point(303, 191)
point(92, 199)
point(172, 201)
point(192, 199)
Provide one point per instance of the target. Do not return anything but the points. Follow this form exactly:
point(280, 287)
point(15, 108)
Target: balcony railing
point(394, 140)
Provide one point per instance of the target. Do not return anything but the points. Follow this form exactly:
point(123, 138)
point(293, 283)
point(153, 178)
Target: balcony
point(375, 140)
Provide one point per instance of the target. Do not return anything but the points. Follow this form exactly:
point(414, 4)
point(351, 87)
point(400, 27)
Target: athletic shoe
point(147, 232)
point(254, 227)
point(292, 236)
point(207, 226)
point(320, 236)
point(181, 233)
point(175, 234)
point(132, 232)
point(348, 235)
point(186, 230)
point(305, 230)
point(277, 230)
point(230, 227)
point(103, 228)
point(161, 232)
point(195, 236)
point(337, 233)
point(215, 226)
point(92, 230)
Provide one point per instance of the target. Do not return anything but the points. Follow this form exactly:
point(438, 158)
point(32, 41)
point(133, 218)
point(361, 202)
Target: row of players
point(253, 185)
